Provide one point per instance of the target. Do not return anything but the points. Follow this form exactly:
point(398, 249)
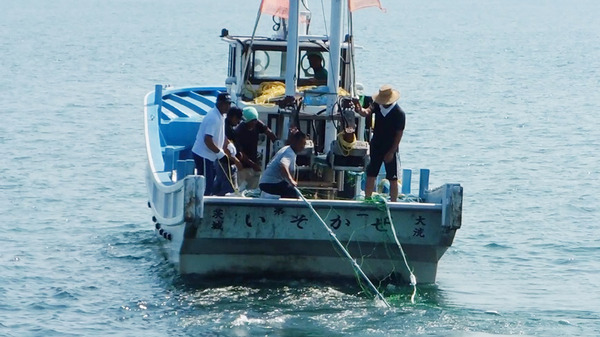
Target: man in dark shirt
point(234, 117)
point(387, 133)
point(246, 141)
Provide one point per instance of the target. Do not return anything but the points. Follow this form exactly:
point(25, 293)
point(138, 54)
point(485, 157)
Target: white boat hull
point(265, 238)
point(273, 238)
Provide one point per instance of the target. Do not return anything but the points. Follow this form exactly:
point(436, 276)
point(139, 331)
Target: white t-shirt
point(272, 174)
point(213, 124)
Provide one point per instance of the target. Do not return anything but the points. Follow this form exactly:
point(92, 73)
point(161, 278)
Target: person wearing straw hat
point(387, 133)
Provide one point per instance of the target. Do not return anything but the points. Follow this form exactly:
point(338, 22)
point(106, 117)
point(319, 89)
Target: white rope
point(353, 261)
point(413, 278)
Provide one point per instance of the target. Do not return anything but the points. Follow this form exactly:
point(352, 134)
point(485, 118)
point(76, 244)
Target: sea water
point(501, 96)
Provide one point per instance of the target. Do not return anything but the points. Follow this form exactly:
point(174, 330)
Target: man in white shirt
point(210, 141)
point(278, 176)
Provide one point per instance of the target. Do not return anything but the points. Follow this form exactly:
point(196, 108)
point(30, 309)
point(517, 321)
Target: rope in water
point(375, 201)
point(413, 278)
point(339, 244)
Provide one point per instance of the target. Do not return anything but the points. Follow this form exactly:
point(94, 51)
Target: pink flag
point(359, 4)
point(280, 8)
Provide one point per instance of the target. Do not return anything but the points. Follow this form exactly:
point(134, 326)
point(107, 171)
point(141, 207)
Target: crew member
point(227, 167)
point(246, 141)
point(315, 59)
point(278, 178)
point(210, 141)
point(387, 133)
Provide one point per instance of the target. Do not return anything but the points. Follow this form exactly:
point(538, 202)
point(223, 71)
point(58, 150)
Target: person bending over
point(278, 178)
point(246, 141)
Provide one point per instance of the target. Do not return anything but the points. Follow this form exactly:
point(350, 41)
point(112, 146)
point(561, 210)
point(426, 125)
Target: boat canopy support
point(292, 50)
point(333, 79)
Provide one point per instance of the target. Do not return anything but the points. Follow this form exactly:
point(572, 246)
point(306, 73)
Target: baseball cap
point(223, 97)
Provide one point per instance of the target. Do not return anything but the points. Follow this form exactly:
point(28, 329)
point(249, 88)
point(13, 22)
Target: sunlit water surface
point(501, 96)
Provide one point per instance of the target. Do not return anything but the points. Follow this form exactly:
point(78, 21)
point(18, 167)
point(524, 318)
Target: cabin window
point(231, 64)
point(306, 73)
point(268, 65)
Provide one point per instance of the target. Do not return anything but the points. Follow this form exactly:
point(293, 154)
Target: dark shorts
point(282, 189)
point(225, 178)
point(391, 168)
point(206, 168)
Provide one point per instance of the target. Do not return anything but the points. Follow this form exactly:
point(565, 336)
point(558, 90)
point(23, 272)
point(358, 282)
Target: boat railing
point(177, 202)
point(180, 198)
point(450, 196)
point(170, 168)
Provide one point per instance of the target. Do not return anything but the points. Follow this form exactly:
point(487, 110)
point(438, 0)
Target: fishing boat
point(331, 233)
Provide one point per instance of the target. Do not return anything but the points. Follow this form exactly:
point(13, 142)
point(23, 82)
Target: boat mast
point(291, 74)
point(333, 79)
point(291, 64)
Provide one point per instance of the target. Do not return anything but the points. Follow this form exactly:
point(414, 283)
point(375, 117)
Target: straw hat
point(386, 95)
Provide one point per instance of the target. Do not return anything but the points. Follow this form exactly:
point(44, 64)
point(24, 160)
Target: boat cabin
point(256, 77)
point(262, 60)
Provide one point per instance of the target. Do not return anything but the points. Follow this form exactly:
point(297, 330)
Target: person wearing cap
point(246, 141)
point(315, 59)
point(210, 141)
point(227, 167)
point(390, 121)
